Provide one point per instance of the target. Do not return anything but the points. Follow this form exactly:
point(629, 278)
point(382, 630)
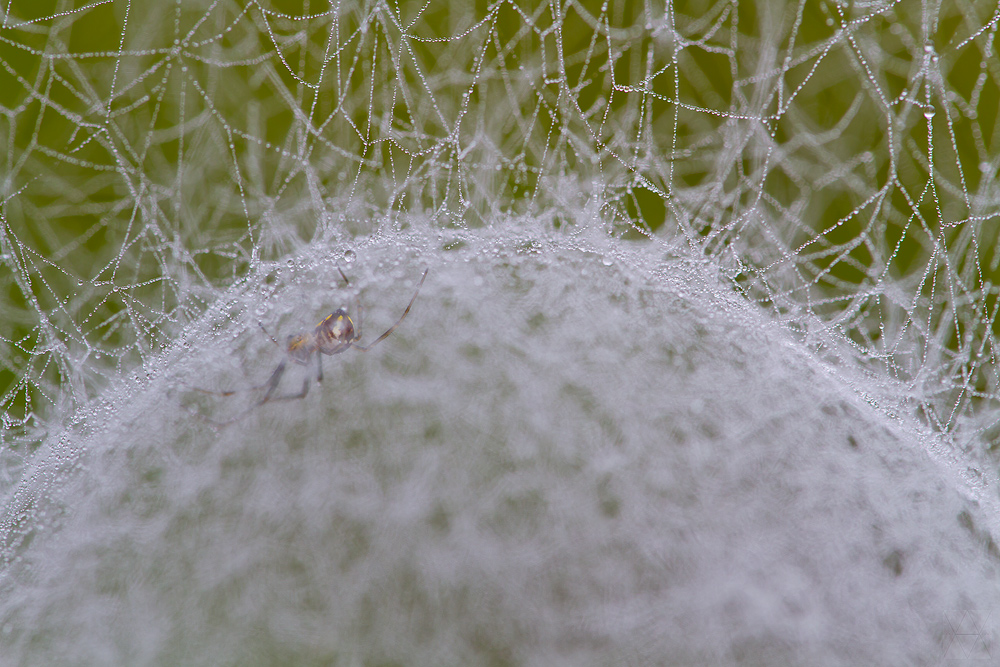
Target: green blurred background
point(833, 160)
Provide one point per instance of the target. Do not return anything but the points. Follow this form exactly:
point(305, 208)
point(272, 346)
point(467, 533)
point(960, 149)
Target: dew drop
point(350, 255)
point(607, 261)
point(929, 113)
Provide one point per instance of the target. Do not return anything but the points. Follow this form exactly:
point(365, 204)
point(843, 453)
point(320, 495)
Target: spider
point(334, 334)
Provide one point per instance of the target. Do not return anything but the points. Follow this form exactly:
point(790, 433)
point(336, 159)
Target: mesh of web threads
point(835, 161)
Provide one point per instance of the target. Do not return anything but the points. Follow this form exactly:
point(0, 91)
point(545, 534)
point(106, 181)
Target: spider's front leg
point(357, 337)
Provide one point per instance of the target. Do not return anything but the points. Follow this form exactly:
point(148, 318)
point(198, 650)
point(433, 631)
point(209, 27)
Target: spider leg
point(276, 377)
point(261, 325)
point(365, 348)
point(272, 382)
point(228, 392)
point(216, 422)
point(255, 387)
point(288, 397)
point(269, 397)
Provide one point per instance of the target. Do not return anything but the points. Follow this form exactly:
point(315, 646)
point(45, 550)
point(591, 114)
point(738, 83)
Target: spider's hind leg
point(272, 382)
point(288, 397)
point(270, 385)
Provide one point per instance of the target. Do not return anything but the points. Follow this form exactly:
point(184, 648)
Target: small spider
point(334, 334)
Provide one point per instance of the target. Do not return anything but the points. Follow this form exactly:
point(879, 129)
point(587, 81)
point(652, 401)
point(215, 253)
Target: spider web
point(837, 161)
point(172, 170)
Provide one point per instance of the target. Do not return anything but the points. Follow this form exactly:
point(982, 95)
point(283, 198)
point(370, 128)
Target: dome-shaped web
point(174, 173)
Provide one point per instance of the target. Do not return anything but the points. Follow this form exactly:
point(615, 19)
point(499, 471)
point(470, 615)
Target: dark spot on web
point(894, 562)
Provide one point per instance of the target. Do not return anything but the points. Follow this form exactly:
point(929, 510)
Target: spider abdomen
point(335, 333)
